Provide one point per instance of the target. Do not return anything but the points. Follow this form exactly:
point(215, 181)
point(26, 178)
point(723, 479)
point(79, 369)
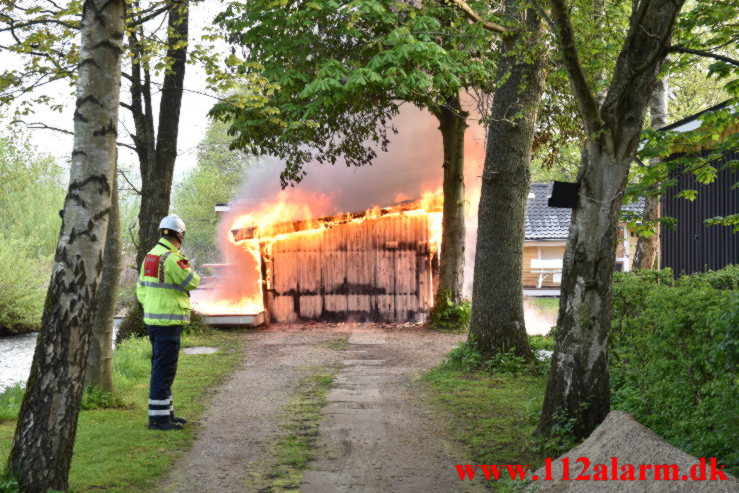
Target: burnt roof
point(553, 223)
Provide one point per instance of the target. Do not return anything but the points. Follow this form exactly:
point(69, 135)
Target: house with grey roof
point(547, 229)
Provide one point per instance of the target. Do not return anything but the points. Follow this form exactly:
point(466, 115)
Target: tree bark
point(646, 247)
point(157, 167)
point(100, 359)
point(452, 123)
point(578, 389)
point(497, 323)
point(44, 437)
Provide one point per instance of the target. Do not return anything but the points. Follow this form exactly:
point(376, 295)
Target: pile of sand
point(621, 437)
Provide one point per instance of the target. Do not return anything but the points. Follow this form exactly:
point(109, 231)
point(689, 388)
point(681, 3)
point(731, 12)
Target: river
point(16, 356)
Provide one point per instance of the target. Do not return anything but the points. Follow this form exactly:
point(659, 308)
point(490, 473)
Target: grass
point(493, 416)
point(338, 344)
point(299, 421)
point(114, 450)
point(544, 303)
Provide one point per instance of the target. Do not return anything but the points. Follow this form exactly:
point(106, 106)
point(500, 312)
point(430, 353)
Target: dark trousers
point(165, 350)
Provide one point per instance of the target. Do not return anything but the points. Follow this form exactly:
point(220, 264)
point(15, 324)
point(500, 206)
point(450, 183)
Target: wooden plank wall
point(374, 270)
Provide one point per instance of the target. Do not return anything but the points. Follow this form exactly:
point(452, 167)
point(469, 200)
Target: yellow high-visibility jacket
point(165, 281)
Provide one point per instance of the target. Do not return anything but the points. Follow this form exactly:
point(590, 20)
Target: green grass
point(493, 416)
point(338, 344)
point(299, 421)
point(114, 450)
point(544, 303)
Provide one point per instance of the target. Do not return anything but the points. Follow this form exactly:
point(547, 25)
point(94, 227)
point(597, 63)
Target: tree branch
point(703, 53)
point(136, 190)
point(584, 94)
point(141, 20)
point(475, 17)
point(43, 126)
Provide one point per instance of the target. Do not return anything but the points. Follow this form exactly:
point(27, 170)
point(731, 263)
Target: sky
point(193, 121)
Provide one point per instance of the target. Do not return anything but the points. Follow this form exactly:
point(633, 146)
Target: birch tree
point(578, 391)
point(42, 447)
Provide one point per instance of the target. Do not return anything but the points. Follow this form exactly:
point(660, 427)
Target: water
point(16, 355)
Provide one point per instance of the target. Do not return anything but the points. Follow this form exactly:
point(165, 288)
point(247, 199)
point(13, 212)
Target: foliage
point(539, 342)
point(31, 194)
point(97, 398)
point(451, 316)
point(196, 325)
point(674, 352)
point(215, 179)
point(10, 402)
point(339, 72)
point(132, 458)
point(466, 356)
point(708, 29)
point(8, 485)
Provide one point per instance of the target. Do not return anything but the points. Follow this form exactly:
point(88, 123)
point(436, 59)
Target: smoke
point(539, 320)
point(411, 166)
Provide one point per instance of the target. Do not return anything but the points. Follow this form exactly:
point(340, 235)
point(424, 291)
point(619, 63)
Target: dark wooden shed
point(693, 246)
point(376, 266)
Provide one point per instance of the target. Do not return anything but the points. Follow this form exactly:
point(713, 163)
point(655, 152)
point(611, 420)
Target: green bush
point(674, 351)
point(466, 356)
point(31, 194)
point(23, 280)
point(448, 315)
point(10, 402)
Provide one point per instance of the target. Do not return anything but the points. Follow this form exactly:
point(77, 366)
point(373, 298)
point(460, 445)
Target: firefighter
point(164, 291)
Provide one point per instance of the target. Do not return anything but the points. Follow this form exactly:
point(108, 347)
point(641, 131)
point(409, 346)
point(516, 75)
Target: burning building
point(376, 265)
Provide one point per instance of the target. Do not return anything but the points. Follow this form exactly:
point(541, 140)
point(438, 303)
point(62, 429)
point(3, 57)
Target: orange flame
point(237, 287)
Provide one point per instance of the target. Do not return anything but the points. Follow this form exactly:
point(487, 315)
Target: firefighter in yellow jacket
point(164, 290)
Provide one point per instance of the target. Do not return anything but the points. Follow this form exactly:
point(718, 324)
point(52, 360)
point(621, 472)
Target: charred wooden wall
point(694, 247)
point(374, 270)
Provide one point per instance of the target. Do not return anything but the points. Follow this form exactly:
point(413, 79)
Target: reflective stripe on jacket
point(165, 280)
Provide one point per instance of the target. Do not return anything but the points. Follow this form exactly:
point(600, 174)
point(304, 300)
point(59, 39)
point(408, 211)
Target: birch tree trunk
point(646, 247)
point(452, 123)
point(497, 323)
point(100, 359)
point(44, 437)
point(578, 391)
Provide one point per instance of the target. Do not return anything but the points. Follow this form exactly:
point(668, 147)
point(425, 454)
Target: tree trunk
point(452, 123)
point(44, 437)
point(497, 323)
point(578, 393)
point(646, 247)
point(100, 359)
point(157, 173)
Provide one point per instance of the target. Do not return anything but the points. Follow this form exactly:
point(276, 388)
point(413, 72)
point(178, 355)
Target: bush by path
point(674, 354)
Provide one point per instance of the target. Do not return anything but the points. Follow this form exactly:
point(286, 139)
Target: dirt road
point(376, 435)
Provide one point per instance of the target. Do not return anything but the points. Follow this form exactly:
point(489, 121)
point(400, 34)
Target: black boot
point(177, 419)
point(165, 426)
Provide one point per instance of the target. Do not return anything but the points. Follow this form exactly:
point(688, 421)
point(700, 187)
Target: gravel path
point(376, 435)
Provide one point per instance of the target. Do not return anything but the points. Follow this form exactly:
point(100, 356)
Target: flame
point(237, 286)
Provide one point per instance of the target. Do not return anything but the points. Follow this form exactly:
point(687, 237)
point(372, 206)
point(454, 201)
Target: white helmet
point(173, 223)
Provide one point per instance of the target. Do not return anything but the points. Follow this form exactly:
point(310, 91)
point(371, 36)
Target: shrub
point(23, 279)
point(466, 356)
point(97, 398)
point(448, 315)
point(674, 351)
point(10, 402)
